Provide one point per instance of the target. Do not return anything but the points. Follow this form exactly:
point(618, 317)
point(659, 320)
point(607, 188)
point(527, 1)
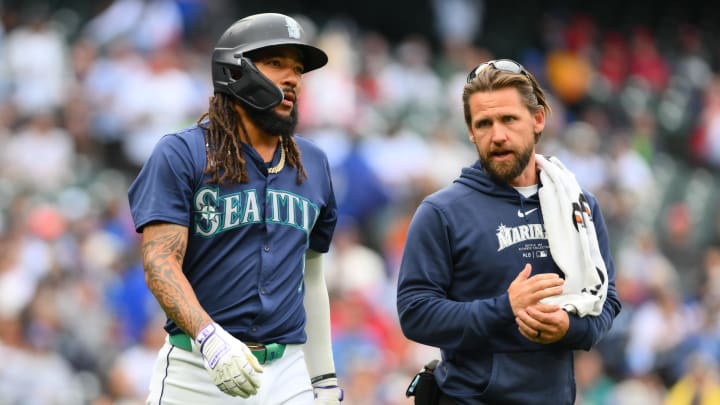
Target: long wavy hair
point(223, 146)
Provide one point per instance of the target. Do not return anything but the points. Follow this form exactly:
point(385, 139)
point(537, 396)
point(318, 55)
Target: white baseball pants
point(180, 378)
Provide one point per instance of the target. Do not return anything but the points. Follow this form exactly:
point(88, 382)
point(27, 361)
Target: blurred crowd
point(636, 115)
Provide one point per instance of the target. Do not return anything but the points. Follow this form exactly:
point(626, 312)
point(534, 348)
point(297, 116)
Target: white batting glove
point(232, 366)
point(327, 392)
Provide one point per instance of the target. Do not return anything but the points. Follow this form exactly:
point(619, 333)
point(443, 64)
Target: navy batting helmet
point(233, 73)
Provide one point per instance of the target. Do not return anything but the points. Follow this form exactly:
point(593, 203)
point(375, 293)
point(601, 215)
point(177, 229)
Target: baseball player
point(235, 212)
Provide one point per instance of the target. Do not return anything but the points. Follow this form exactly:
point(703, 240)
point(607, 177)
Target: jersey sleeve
point(163, 189)
point(322, 232)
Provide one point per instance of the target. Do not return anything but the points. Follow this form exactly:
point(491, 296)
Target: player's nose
point(498, 134)
point(291, 78)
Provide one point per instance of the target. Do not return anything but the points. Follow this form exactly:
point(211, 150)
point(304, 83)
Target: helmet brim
point(312, 57)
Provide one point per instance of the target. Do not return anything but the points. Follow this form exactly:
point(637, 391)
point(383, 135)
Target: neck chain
point(281, 163)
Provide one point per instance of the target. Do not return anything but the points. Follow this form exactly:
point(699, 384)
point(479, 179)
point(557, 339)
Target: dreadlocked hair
point(223, 148)
point(292, 153)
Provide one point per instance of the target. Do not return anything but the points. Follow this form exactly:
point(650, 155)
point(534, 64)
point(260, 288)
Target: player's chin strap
point(318, 349)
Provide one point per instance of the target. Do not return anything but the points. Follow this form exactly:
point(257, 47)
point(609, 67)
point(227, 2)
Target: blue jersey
point(246, 242)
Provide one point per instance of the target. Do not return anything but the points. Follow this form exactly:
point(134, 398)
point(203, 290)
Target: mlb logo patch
point(541, 254)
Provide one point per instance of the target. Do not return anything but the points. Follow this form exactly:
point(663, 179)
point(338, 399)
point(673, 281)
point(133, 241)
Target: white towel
point(572, 238)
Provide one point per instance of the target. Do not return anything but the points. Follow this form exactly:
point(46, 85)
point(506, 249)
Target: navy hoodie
point(465, 245)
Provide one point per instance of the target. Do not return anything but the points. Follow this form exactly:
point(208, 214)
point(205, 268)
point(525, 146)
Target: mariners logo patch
point(293, 28)
point(216, 213)
point(530, 240)
point(512, 235)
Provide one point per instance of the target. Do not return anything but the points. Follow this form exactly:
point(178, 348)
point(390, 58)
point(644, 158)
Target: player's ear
point(471, 136)
point(539, 121)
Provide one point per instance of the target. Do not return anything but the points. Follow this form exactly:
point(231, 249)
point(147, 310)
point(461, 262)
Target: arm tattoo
point(163, 250)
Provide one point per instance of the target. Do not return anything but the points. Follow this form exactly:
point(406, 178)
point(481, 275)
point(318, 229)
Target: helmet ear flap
point(243, 81)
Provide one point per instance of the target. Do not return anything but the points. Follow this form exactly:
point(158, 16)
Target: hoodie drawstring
point(522, 207)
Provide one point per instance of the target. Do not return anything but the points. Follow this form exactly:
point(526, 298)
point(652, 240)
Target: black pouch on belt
point(424, 387)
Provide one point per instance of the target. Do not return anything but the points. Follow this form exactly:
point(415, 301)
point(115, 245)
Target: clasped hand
point(540, 323)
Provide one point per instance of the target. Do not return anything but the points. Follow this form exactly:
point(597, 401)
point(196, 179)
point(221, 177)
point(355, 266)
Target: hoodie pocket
point(531, 378)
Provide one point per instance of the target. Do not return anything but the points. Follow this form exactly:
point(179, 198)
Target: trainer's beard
point(273, 123)
point(505, 173)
